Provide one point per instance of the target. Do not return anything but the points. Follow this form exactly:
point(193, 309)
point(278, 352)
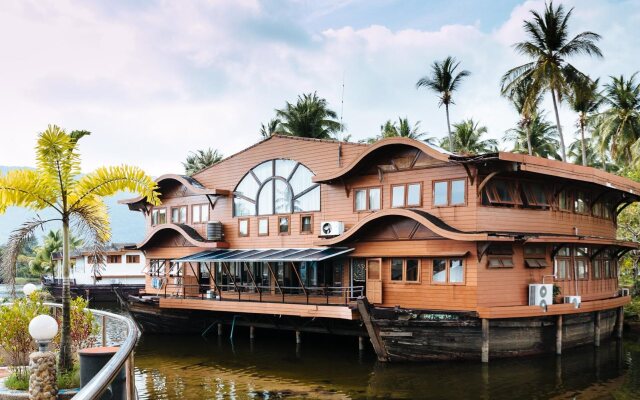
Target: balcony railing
point(331, 295)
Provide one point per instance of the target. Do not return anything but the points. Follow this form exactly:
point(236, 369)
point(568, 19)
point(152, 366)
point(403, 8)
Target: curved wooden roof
point(187, 181)
point(431, 222)
point(185, 231)
point(431, 151)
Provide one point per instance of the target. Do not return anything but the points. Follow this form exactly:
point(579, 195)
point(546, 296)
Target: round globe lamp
point(43, 329)
point(28, 289)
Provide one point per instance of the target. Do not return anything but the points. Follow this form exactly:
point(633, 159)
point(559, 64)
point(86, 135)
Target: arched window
point(276, 187)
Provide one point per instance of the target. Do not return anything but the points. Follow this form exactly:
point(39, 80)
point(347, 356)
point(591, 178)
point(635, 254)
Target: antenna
point(342, 108)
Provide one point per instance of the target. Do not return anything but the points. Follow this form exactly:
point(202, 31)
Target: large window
point(158, 216)
point(405, 269)
point(448, 270)
point(409, 195)
point(179, 215)
point(367, 199)
point(501, 191)
point(449, 193)
point(535, 194)
point(276, 187)
point(200, 213)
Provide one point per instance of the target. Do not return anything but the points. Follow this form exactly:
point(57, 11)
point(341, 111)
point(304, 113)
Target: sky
point(154, 80)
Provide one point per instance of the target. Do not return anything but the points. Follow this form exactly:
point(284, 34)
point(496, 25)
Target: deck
point(554, 309)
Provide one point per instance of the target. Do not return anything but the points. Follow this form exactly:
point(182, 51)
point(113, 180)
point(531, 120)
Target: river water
point(272, 366)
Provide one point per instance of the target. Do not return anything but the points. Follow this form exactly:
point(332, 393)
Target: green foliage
point(84, 326)
point(556, 291)
point(309, 117)
point(400, 128)
point(69, 379)
point(18, 380)
point(468, 139)
point(271, 128)
point(632, 310)
point(52, 243)
point(200, 160)
point(542, 134)
point(14, 327)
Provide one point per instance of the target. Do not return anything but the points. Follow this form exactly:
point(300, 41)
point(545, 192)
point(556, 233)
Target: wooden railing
point(336, 295)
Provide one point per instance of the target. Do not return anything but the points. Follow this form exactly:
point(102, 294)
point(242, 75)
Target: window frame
point(288, 218)
point(492, 193)
point(127, 260)
point(263, 219)
point(585, 199)
point(200, 207)
point(403, 279)
point(367, 275)
point(180, 208)
point(447, 281)
point(115, 256)
point(366, 189)
point(529, 196)
point(449, 183)
point(310, 231)
point(157, 210)
point(240, 221)
point(405, 200)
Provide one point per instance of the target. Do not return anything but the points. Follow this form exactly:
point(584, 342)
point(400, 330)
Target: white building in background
point(121, 266)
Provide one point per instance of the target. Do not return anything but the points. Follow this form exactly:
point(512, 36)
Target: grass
point(20, 380)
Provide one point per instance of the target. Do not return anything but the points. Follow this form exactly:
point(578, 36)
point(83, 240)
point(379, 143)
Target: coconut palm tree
point(75, 200)
point(310, 117)
point(527, 103)
point(542, 134)
point(548, 48)
point(444, 81)
point(467, 138)
point(400, 128)
point(584, 155)
point(52, 243)
point(585, 99)
point(201, 159)
point(618, 127)
point(271, 128)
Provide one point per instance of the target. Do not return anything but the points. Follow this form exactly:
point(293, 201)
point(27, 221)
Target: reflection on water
point(190, 367)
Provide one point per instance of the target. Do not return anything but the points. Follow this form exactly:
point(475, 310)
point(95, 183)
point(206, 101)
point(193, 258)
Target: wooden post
point(485, 340)
point(360, 343)
point(298, 337)
point(559, 335)
point(130, 379)
point(252, 332)
point(104, 331)
point(620, 323)
point(596, 329)
point(219, 329)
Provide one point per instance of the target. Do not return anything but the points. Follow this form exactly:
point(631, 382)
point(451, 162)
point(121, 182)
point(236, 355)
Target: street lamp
point(43, 329)
point(28, 289)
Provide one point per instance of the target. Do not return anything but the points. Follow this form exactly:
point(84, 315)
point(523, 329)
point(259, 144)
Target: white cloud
point(153, 81)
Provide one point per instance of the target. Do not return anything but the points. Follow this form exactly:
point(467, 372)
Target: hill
point(126, 226)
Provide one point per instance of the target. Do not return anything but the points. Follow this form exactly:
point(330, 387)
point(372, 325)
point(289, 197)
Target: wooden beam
point(486, 180)
point(619, 323)
point(596, 329)
point(251, 277)
point(376, 341)
point(298, 276)
point(275, 278)
point(559, 335)
point(482, 249)
point(619, 210)
point(485, 340)
point(233, 278)
point(471, 176)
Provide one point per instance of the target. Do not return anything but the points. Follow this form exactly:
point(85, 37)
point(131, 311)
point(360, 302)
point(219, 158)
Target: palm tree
point(618, 127)
point(583, 151)
point(271, 128)
point(400, 128)
point(542, 135)
point(52, 243)
point(467, 138)
point(527, 103)
point(200, 160)
point(75, 200)
point(585, 99)
point(444, 81)
point(548, 49)
point(310, 117)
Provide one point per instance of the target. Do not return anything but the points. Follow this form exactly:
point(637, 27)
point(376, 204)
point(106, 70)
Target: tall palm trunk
point(529, 147)
point(584, 147)
point(451, 149)
point(64, 361)
point(555, 109)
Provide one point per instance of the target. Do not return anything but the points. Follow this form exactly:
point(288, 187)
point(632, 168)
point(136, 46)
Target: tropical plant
point(77, 201)
point(584, 155)
point(201, 159)
point(467, 138)
point(527, 104)
point(548, 48)
point(14, 328)
point(400, 128)
point(444, 81)
point(309, 117)
point(51, 243)
point(618, 126)
point(84, 326)
point(542, 135)
point(271, 128)
point(584, 99)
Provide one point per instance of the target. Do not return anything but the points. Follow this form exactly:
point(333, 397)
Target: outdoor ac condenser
point(331, 228)
point(540, 294)
point(575, 300)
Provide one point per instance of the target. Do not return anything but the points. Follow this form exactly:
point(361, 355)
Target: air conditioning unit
point(541, 294)
point(624, 292)
point(214, 231)
point(575, 300)
point(331, 228)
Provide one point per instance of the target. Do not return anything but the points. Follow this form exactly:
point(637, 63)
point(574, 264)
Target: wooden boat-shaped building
point(429, 254)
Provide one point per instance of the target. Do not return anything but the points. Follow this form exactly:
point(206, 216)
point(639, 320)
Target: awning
point(266, 255)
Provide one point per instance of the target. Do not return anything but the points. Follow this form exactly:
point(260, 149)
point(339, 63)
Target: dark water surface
point(273, 367)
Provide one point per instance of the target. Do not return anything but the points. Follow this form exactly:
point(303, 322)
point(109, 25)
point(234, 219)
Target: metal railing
point(336, 295)
point(122, 358)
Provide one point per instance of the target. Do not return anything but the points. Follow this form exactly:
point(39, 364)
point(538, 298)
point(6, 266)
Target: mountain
point(126, 226)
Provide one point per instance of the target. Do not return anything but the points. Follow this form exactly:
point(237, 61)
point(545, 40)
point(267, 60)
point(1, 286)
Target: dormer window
point(158, 216)
point(276, 187)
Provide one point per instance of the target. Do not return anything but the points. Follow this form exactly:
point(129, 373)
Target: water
point(191, 367)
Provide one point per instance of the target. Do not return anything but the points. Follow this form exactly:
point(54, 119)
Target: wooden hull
point(95, 293)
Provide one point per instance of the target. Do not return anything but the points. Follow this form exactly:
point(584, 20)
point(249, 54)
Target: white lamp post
point(43, 329)
point(28, 289)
